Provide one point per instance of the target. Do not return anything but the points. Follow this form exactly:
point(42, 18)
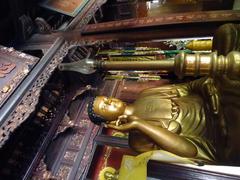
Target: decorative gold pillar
point(183, 64)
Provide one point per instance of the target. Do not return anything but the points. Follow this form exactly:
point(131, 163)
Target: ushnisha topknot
point(96, 119)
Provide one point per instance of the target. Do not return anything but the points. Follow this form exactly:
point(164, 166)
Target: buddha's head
point(105, 109)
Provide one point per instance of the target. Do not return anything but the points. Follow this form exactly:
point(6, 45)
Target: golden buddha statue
point(175, 118)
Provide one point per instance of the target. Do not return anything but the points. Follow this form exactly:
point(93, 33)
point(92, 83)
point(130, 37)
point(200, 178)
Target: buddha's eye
point(103, 107)
point(108, 102)
point(105, 99)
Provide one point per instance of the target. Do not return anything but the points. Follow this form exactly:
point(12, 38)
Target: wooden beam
point(165, 19)
point(165, 32)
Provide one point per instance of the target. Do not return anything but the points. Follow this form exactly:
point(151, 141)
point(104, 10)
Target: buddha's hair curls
point(96, 119)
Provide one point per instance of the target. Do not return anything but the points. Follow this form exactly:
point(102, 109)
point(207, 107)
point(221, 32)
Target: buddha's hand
point(124, 123)
point(212, 97)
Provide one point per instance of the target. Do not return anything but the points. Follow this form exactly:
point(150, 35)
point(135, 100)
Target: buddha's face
point(108, 108)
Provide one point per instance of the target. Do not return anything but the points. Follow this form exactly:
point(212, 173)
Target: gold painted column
point(182, 65)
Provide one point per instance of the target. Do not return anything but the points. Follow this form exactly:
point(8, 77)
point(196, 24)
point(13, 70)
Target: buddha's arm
point(206, 88)
point(167, 140)
point(164, 138)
